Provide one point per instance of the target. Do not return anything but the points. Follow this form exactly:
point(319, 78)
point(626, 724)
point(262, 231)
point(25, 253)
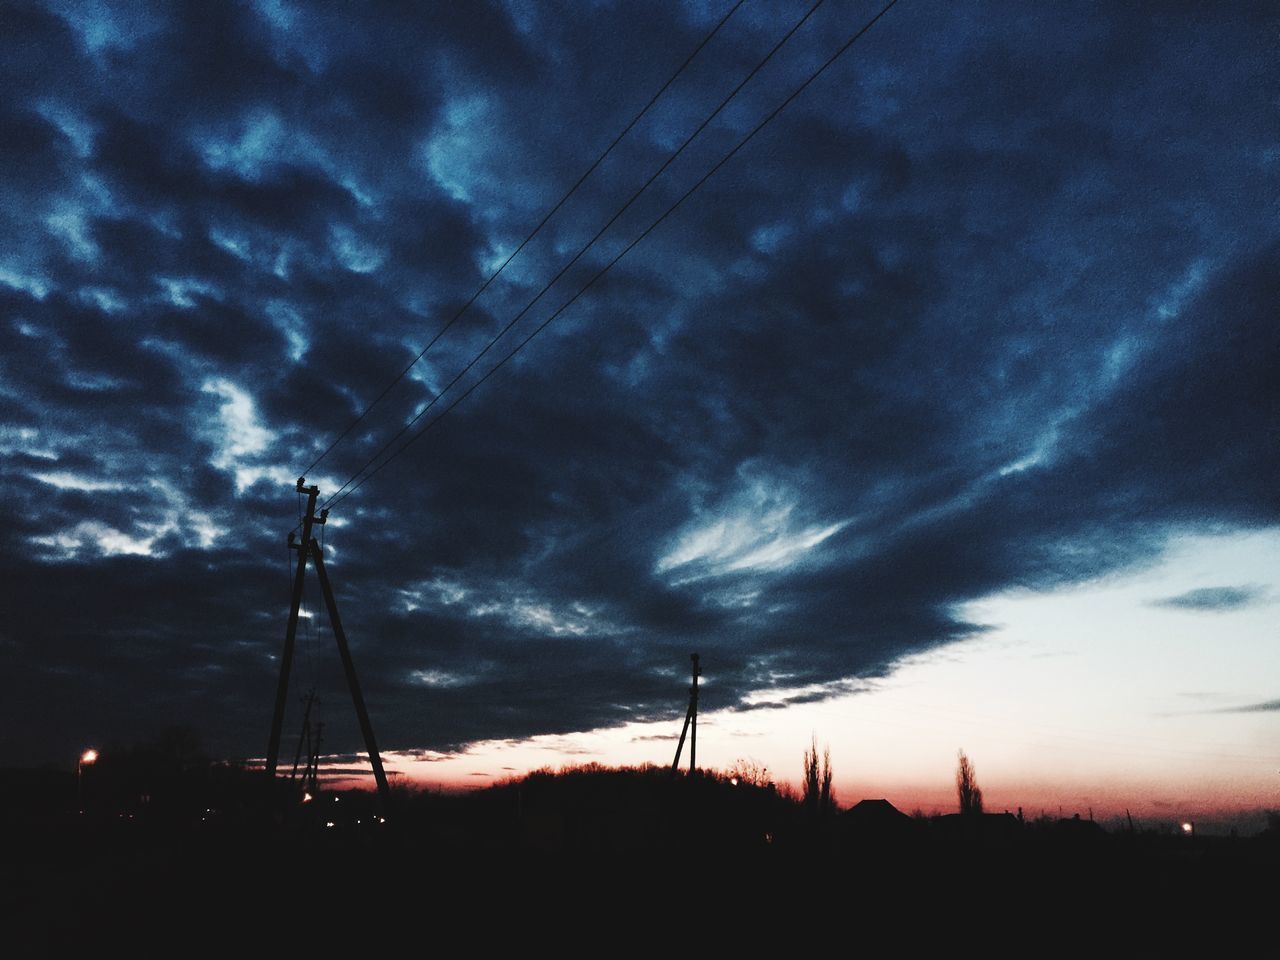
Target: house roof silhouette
point(876, 814)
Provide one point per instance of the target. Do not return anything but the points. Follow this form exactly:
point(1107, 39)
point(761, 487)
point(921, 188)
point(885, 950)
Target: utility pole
point(304, 738)
point(308, 547)
point(690, 722)
point(311, 776)
point(291, 631)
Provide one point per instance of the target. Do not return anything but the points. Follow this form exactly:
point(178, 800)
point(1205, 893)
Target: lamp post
point(87, 759)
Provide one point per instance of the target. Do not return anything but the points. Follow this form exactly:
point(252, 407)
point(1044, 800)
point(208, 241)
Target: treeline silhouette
point(170, 783)
point(170, 838)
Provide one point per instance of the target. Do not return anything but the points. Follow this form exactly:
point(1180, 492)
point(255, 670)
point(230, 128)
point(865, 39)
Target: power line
point(581, 252)
point(336, 498)
point(523, 243)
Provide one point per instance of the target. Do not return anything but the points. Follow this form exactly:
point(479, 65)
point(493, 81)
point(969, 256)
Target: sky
point(944, 414)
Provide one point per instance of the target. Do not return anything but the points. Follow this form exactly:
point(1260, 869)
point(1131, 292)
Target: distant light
point(307, 798)
point(89, 756)
point(1188, 828)
point(330, 823)
point(734, 781)
point(382, 819)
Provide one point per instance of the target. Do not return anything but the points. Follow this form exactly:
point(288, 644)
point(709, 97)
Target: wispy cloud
point(1214, 599)
point(1267, 706)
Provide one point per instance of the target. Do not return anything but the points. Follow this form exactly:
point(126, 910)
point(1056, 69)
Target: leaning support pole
point(684, 731)
point(335, 621)
point(291, 632)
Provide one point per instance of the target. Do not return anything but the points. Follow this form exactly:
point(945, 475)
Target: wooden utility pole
point(304, 738)
point(307, 547)
point(311, 777)
point(291, 631)
point(690, 722)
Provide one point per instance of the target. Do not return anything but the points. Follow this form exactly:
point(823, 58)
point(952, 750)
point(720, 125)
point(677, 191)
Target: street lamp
point(87, 759)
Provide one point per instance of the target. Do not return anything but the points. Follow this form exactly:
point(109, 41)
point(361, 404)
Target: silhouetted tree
point(967, 787)
point(750, 772)
point(817, 797)
point(810, 788)
point(828, 797)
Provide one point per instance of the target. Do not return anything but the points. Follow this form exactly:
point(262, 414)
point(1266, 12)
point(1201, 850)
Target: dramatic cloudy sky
point(984, 319)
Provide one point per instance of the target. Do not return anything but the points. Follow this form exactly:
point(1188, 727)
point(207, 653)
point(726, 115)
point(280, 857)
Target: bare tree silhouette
point(751, 772)
point(967, 787)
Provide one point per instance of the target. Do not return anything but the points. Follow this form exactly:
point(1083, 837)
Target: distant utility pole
point(311, 775)
point(304, 738)
point(310, 739)
point(690, 722)
point(308, 547)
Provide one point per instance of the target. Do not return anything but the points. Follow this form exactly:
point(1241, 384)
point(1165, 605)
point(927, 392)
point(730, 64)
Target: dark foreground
point(637, 855)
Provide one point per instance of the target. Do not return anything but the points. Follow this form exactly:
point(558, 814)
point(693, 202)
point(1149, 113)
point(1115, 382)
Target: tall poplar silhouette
point(967, 787)
point(817, 796)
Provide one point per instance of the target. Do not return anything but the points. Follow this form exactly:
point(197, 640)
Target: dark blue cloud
point(991, 305)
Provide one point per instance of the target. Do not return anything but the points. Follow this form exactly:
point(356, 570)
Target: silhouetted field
point(213, 856)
